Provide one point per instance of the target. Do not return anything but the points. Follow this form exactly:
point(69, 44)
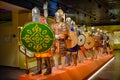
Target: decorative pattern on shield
point(37, 37)
point(81, 40)
point(89, 42)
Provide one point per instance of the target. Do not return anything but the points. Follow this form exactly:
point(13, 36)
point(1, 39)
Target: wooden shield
point(37, 37)
point(89, 43)
point(81, 40)
point(97, 41)
point(72, 42)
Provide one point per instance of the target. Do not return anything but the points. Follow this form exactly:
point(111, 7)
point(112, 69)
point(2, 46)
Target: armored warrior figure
point(40, 56)
point(106, 44)
point(72, 39)
point(81, 41)
point(61, 33)
point(89, 43)
point(68, 55)
point(102, 39)
point(97, 42)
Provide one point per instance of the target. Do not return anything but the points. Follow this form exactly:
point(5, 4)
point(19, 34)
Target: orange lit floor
point(80, 72)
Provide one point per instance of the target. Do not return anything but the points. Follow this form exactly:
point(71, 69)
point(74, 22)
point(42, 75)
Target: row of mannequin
point(62, 28)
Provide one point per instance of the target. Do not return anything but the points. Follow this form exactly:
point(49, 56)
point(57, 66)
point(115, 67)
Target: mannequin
point(74, 49)
point(81, 53)
point(61, 33)
point(106, 44)
point(82, 48)
point(109, 48)
point(46, 56)
point(97, 48)
point(77, 48)
point(96, 39)
point(68, 55)
point(89, 39)
point(101, 42)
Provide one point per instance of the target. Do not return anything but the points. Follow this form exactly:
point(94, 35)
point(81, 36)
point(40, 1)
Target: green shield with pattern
point(37, 37)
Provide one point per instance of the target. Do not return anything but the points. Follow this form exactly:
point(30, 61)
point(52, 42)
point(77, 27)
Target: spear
point(45, 7)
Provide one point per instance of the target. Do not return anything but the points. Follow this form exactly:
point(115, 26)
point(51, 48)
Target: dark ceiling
point(95, 12)
point(88, 12)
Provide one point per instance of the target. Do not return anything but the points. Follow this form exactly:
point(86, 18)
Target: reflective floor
point(112, 71)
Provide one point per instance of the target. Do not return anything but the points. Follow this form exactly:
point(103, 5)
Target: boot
point(68, 58)
point(92, 55)
point(63, 62)
point(75, 59)
point(80, 57)
point(39, 67)
point(48, 71)
point(45, 65)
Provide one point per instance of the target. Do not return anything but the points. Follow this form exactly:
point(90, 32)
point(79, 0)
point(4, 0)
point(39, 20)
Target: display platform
point(80, 72)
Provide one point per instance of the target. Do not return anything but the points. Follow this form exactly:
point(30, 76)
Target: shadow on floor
point(10, 73)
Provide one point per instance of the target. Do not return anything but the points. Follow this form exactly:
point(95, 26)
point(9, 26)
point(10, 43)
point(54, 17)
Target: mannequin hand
point(62, 36)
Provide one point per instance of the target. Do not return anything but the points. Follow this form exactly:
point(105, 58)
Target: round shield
point(37, 37)
point(97, 41)
point(89, 42)
point(72, 42)
point(81, 40)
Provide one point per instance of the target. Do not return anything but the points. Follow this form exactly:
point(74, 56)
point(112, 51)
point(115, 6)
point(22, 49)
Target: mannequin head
point(98, 30)
point(85, 29)
point(93, 30)
point(68, 21)
point(35, 14)
point(59, 15)
point(60, 11)
point(73, 22)
point(35, 11)
point(101, 31)
point(73, 26)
